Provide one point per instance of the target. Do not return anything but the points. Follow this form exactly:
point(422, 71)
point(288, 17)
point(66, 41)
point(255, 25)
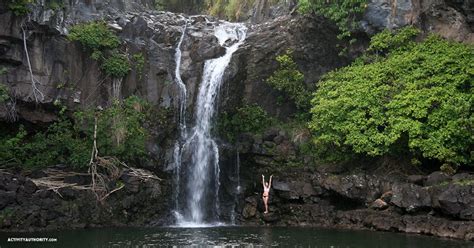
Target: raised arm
point(263, 181)
point(270, 182)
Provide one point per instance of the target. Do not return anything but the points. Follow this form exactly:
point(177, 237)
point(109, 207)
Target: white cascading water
point(203, 183)
point(181, 85)
point(182, 119)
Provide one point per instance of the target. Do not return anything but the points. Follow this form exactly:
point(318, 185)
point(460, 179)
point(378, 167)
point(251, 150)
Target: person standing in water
point(266, 192)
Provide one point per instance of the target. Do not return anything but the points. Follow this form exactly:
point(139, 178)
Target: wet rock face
point(313, 42)
point(28, 205)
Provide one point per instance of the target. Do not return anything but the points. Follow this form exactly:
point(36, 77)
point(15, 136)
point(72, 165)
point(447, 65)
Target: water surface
point(230, 237)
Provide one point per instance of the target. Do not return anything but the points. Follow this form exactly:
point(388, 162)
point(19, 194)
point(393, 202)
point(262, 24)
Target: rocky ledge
point(58, 199)
point(436, 204)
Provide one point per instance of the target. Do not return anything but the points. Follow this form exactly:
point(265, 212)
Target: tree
point(416, 99)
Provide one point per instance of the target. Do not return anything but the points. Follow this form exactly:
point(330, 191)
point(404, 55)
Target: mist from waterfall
point(201, 192)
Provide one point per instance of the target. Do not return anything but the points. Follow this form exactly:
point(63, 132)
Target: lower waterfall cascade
point(197, 155)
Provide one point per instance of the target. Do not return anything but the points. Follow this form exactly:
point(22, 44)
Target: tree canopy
point(416, 97)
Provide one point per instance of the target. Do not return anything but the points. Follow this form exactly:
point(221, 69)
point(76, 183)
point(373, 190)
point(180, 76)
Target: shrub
point(418, 99)
point(342, 12)
point(249, 118)
point(4, 93)
point(230, 9)
point(95, 36)
point(290, 80)
point(120, 130)
point(120, 133)
point(103, 44)
point(139, 60)
point(58, 144)
point(389, 41)
point(19, 7)
point(117, 65)
point(56, 4)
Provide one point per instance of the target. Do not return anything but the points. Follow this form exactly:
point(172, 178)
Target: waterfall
point(181, 85)
point(181, 121)
point(200, 149)
point(237, 189)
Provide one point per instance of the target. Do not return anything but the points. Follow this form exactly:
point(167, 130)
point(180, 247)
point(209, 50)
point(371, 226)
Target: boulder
point(387, 196)
point(417, 179)
point(458, 201)
point(360, 188)
point(379, 204)
point(460, 177)
point(437, 178)
point(410, 197)
point(271, 217)
point(249, 211)
point(6, 198)
point(29, 187)
point(294, 190)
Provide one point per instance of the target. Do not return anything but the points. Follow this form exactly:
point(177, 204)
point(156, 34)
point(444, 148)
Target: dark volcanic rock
point(437, 178)
point(458, 201)
point(271, 217)
point(34, 208)
point(410, 197)
point(314, 45)
point(362, 188)
point(417, 179)
point(249, 211)
point(450, 19)
point(338, 201)
point(379, 204)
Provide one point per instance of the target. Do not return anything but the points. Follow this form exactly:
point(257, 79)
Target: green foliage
point(103, 44)
point(55, 4)
point(139, 60)
point(180, 6)
point(290, 80)
point(19, 7)
point(11, 151)
point(389, 41)
point(246, 119)
point(418, 99)
point(95, 36)
point(120, 133)
point(4, 93)
point(230, 9)
point(116, 65)
point(342, 12)
point(57, 145)
point(120, 130)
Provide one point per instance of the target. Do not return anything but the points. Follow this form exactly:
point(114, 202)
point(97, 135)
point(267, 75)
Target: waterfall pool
point(229, 237)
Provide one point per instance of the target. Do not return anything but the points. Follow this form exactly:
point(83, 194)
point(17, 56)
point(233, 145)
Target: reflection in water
point(231, 237)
